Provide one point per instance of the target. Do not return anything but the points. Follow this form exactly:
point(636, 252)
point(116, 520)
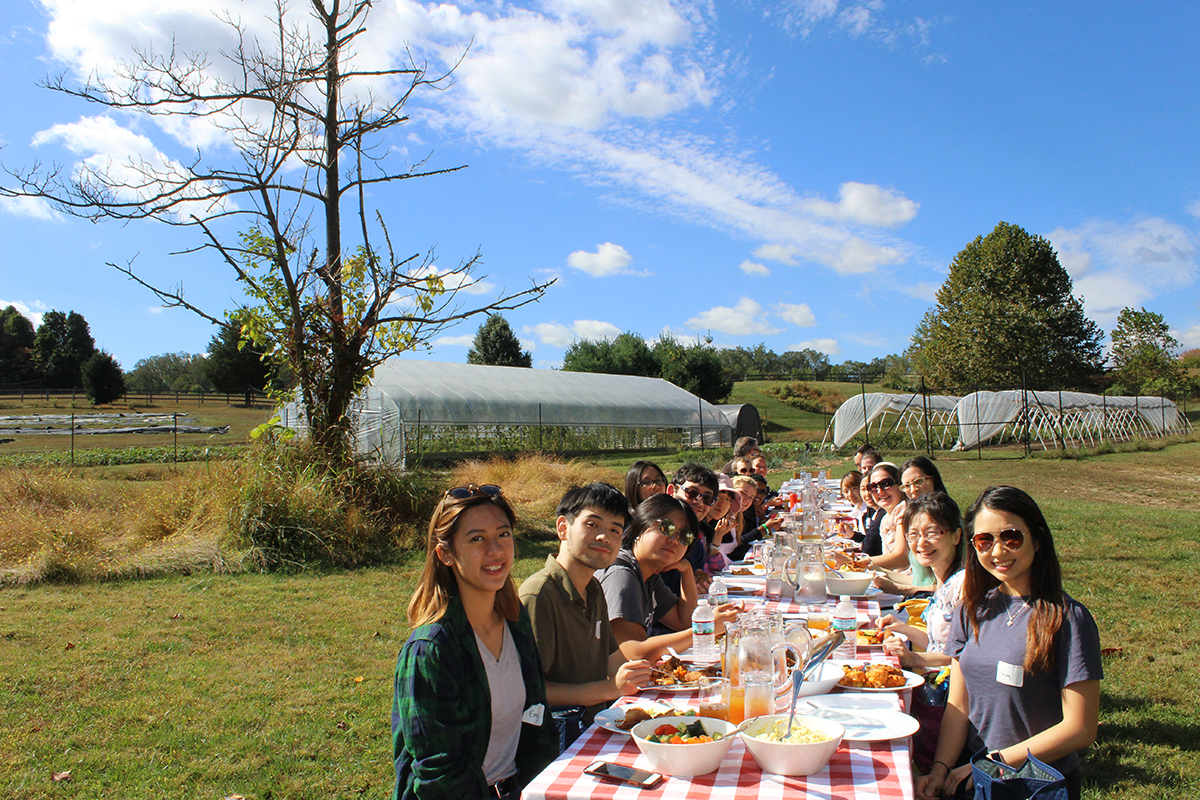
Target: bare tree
point(305, 141)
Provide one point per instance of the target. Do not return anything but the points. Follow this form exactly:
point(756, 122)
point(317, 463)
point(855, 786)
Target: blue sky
point(798, 173)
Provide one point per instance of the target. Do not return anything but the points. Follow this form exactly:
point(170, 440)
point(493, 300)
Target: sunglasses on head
point(471, 490)
point(881, 486)
point(707, 499)
point(668, 529)
point(1011, 538)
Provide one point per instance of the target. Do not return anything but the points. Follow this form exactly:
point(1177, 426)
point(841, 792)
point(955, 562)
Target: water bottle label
point(703, 627)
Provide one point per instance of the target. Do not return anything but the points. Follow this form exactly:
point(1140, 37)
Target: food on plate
point(636, 714)
point(682, 733)
point(872, 676)
point(869, 636)
point(673, 672)
point(777, 732)
point(742, 571)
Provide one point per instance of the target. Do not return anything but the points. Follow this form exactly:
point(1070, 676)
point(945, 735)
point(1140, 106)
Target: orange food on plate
point(872, 676)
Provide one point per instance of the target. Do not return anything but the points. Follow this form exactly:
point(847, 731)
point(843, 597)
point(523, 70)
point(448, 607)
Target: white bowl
point(684, 760)
point(823, 679)
point(851, 583)
point(785, 758)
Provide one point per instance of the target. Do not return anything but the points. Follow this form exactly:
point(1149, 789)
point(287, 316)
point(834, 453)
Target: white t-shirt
point(507, 688)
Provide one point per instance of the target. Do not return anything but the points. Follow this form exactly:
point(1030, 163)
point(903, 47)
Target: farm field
point(279, 685)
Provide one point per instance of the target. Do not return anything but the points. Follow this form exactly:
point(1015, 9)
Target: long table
point(858, 770)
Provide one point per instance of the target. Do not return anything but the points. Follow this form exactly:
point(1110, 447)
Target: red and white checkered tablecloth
point(857, 771)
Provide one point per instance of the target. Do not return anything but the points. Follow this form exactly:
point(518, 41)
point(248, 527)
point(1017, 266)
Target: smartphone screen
point(624, 774)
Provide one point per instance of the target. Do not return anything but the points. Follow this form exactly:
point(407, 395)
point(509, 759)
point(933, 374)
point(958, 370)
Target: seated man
point(697, 486)
point(655, 541)
point(580, 657)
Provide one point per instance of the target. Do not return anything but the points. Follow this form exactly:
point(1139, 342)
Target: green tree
point(303, 135)
point(1190, 359)
point(496, 345)
point(61, 345)
point(1006, 312)
point(169, 372)
point(1143, 355)
point(694, 367)
point(16, 346)
point(235, 364)
point(103, 379)
point(627, 354)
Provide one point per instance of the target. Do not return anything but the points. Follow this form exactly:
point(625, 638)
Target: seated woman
point(722, 524)
point(469, 714)
point(655, 541)
point(643, 479)
point(918, 477)
point(884, 487)
point(851, 494)
point(933, 527)
point(872, 543)
point(1025, 670)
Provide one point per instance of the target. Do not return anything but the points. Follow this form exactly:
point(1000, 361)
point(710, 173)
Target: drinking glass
point(760, 697)
point(714, 698)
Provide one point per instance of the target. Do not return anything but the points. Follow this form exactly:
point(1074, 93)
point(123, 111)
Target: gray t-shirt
point(1002, 713)
point(629, 597)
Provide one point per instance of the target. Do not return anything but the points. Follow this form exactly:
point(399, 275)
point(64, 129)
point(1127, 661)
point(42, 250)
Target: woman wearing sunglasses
point(884, 486)
point(1025, 675)
point(469, 714)
point(654, 543)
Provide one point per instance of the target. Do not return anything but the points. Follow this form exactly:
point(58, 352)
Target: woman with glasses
point(933, 530)
point(469, 714)
point(919, 476)
point(1025, 671)
point(884, 487)
point(655, 542)
point(643, 479)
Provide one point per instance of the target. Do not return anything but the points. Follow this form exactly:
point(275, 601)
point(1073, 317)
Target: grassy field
point(279, 686)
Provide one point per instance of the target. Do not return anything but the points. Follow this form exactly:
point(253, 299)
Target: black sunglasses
point(668, 529)
point(471, 490)
point(1011, 538)
point(880, 486)
point(707, 499)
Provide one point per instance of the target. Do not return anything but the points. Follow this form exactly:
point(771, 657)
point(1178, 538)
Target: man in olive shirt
point(583, 664)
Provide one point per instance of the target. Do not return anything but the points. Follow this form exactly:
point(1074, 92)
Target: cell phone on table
point(623, 774)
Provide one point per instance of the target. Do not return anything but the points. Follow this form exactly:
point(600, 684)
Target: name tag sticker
point(597, 629)
point(1010, 674)
point(533, 715)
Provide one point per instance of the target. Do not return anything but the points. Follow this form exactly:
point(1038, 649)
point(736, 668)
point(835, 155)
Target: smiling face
point(931, 545)
point(592, 540)
point(694, 494)
point(760, 465)
point(850, 491)
point(864, 494)
point(889, 497)
point(724, 501)
point(480, 553)
point(915, 483)
point(651, 482)
point(1012, 567)
point(656, 551)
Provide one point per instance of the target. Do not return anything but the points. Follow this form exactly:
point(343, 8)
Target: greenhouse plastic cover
point(861, 410)
point(469, 394)
point(994, 410)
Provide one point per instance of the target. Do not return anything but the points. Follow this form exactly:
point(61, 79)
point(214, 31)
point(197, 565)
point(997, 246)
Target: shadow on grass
point(1131, 753)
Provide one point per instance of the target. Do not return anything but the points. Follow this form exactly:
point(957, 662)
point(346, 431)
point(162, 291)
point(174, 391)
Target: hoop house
point(467, 408)
point(912, 414)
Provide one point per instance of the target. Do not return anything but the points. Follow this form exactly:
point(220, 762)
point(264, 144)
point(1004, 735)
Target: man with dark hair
point(697, 486)
point(581, 659)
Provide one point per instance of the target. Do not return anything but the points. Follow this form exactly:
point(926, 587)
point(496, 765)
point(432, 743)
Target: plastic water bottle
point(845, 619)
point(718, 593)
point(704, 640)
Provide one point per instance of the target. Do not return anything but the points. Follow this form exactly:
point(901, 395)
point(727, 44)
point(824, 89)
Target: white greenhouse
point(423, 407)
point(1049, 419)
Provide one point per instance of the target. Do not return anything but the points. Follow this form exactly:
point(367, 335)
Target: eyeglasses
point(692, 494)
point(471, 490)
point(1011, 538)
point(914, 484)
point(881, 486)
point(646, 483)
point(668, 529)
point(746, 471)
point(932, 536)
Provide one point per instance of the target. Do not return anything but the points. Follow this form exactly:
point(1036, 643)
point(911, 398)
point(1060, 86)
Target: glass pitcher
point(807, 577)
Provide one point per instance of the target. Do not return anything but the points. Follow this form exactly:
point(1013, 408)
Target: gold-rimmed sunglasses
point(471, 490)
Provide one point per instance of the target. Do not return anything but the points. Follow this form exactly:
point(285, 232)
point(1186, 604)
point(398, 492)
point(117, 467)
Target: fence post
point(539, 427)
point(175, 418)
point(700, 410)
point(925, 414)
point(862, 387)
point(72, 435)
point(978, 438)
point(1103, 416)
point(1062, 439)
point(1025, 409)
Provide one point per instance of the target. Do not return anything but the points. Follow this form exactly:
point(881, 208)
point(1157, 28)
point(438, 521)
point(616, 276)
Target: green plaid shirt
point(442, 710)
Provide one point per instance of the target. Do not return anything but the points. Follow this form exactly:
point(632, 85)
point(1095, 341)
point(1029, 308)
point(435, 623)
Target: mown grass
point(218, 685)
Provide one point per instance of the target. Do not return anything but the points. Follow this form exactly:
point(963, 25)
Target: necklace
point(1012, 617)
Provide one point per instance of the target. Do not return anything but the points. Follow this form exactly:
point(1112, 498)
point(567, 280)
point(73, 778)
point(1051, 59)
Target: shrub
point(103, 380)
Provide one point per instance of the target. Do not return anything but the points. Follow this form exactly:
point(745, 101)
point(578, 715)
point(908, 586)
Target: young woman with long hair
point(1025, 671)
point(469, 713)
point(643, 479)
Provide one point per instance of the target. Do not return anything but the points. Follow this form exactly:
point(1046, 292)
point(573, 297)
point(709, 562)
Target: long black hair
point(654, 508)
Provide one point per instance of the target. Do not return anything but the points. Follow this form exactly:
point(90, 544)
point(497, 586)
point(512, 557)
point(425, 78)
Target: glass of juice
point(714, 698)
point(819, 618)
point(737, 704)
point(760, 697)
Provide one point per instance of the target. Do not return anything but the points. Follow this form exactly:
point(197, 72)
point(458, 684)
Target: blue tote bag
point(1033, 780)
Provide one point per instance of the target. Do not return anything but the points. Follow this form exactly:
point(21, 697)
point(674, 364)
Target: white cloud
point(609, 259)
point(857, 256)
point(784, 254)
point(34, 207)
point(454, 341)
point(867, 204)
point(799, 315)
point(754, 268)
point(744, 319)
point(34, 317)
point(1193, 208)
point(922, 291)
point(555, 334)
point(1115, 264)
point(827, 346)
point(1189, 338)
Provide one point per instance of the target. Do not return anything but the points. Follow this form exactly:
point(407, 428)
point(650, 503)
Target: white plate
point(687, 657)
point(912, 680)
point(609, 717)
point(874, 725)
